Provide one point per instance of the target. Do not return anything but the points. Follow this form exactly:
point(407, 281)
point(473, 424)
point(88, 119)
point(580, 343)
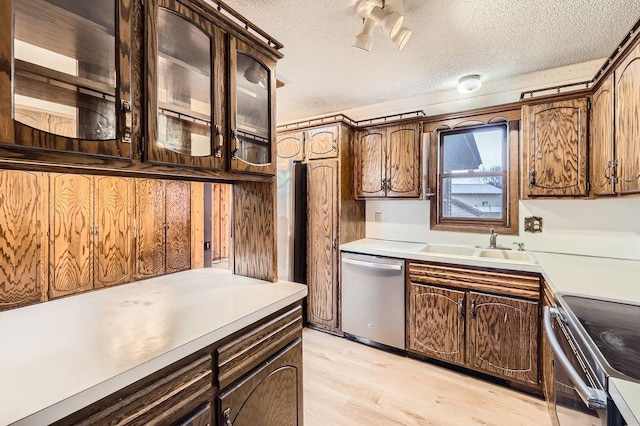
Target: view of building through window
point(473, 172)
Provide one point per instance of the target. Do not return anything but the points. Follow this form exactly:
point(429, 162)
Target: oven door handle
point(593, 398)
point(392, 267)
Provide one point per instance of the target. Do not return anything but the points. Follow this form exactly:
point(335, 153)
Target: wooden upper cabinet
point(150, 224)
point(503, 336)
point(554, 138)
point(178, 225)
point(403, 161)
point(601, 141)
point(23, 242)
point(627, 125)
point(113, 230)
point(436, 322)
point(71, 233)
point(186, 89)
point(64, 96)
point(322, 142)
point(290, 146)
point(322, 242)
point(387, 162)
point(252, 105)
point(370, 164)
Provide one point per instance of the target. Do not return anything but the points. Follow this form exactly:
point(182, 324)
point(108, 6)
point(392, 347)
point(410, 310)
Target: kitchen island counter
point(60, 356)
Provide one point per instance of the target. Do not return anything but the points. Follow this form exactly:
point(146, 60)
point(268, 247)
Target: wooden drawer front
point(491, 282)
point(164, 401)
point(240, 356)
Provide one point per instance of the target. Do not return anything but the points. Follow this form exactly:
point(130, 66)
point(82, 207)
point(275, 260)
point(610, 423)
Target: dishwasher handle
point(373, 265)
point(593, 398)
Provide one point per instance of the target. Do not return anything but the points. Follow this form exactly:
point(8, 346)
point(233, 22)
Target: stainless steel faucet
point(492, 238)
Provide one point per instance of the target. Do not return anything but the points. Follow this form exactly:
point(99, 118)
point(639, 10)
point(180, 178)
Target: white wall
point(602, 227)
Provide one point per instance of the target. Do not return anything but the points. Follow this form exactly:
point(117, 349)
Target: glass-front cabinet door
point(252, 109)
point(185, 87)
point(71, 76)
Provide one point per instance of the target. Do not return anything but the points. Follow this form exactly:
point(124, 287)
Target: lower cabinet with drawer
point(253, 377)
point(483, 320)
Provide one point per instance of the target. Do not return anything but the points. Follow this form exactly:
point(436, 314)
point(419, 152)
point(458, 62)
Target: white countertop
point(406, 250)
point(63, 355)
point(583, 275)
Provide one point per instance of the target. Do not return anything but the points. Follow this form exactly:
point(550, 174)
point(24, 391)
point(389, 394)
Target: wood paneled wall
point(254, 230)
point(221, 217)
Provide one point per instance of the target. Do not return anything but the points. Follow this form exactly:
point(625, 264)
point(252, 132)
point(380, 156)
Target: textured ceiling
point(497, 39)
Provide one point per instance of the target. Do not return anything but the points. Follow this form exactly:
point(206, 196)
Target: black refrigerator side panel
point(300, 224)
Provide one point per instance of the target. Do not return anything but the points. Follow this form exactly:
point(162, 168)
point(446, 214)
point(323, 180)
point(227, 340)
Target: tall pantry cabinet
point(334, 216)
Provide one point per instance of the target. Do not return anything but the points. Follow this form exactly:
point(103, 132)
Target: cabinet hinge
point(588, 187)
point(142, 143)
point(588, 104)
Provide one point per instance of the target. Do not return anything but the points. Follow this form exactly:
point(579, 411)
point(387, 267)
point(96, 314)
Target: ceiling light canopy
point(469, 83)
point(387, 14)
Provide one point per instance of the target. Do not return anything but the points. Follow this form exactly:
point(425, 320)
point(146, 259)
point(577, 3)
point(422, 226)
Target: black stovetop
point(614, 327)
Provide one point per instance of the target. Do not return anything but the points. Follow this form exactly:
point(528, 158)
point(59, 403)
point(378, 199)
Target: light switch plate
point(533, 224)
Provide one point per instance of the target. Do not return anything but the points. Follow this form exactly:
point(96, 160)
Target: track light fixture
point(387, 14)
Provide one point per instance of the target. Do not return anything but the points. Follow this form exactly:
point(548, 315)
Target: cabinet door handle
point(461, 307)
point(532, 178)
point(607, 172)
point(219, 142)
point(234, 146)
point(473, 308)
point(125, 107)
point(334, 243)
point(227, 417)
point(614, 171)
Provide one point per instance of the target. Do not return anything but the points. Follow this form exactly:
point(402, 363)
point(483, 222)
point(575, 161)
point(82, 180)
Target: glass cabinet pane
point(184, 86)
point(253, 118)
point(65, 67)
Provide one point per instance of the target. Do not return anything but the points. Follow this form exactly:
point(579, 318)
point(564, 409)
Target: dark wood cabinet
point(81, 102)
point(484, 320)
point(24, 245)
point(163, 222)
point(503, 336)
point(290, 145)
point(554, 149)
point(388, 162)
point(322, 243)
point(627, 128)
point(186, 90)
point(334, 216)
point(90, 233)
point(252, 104)
point(601, 146)
point(271, 395)
point(436, 322)
point(322, 142)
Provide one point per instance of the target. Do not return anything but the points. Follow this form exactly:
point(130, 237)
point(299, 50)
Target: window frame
point(433, 131)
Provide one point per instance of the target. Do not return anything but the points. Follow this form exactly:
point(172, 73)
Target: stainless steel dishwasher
point(373, 299)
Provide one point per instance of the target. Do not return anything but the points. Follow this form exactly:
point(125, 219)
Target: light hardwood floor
point(348, 383)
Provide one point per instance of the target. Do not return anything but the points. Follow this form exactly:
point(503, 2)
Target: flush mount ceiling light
point(387, 14)
point(469, 83)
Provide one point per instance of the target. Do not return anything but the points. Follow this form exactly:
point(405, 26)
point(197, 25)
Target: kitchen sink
point(479, 252)
point(457, 250)
point(519, 256)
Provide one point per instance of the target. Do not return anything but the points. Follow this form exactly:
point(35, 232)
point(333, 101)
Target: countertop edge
point(89, 396)
point(621, 402)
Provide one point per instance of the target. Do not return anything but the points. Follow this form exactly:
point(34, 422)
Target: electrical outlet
point(533, 224)
point(378, 217)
